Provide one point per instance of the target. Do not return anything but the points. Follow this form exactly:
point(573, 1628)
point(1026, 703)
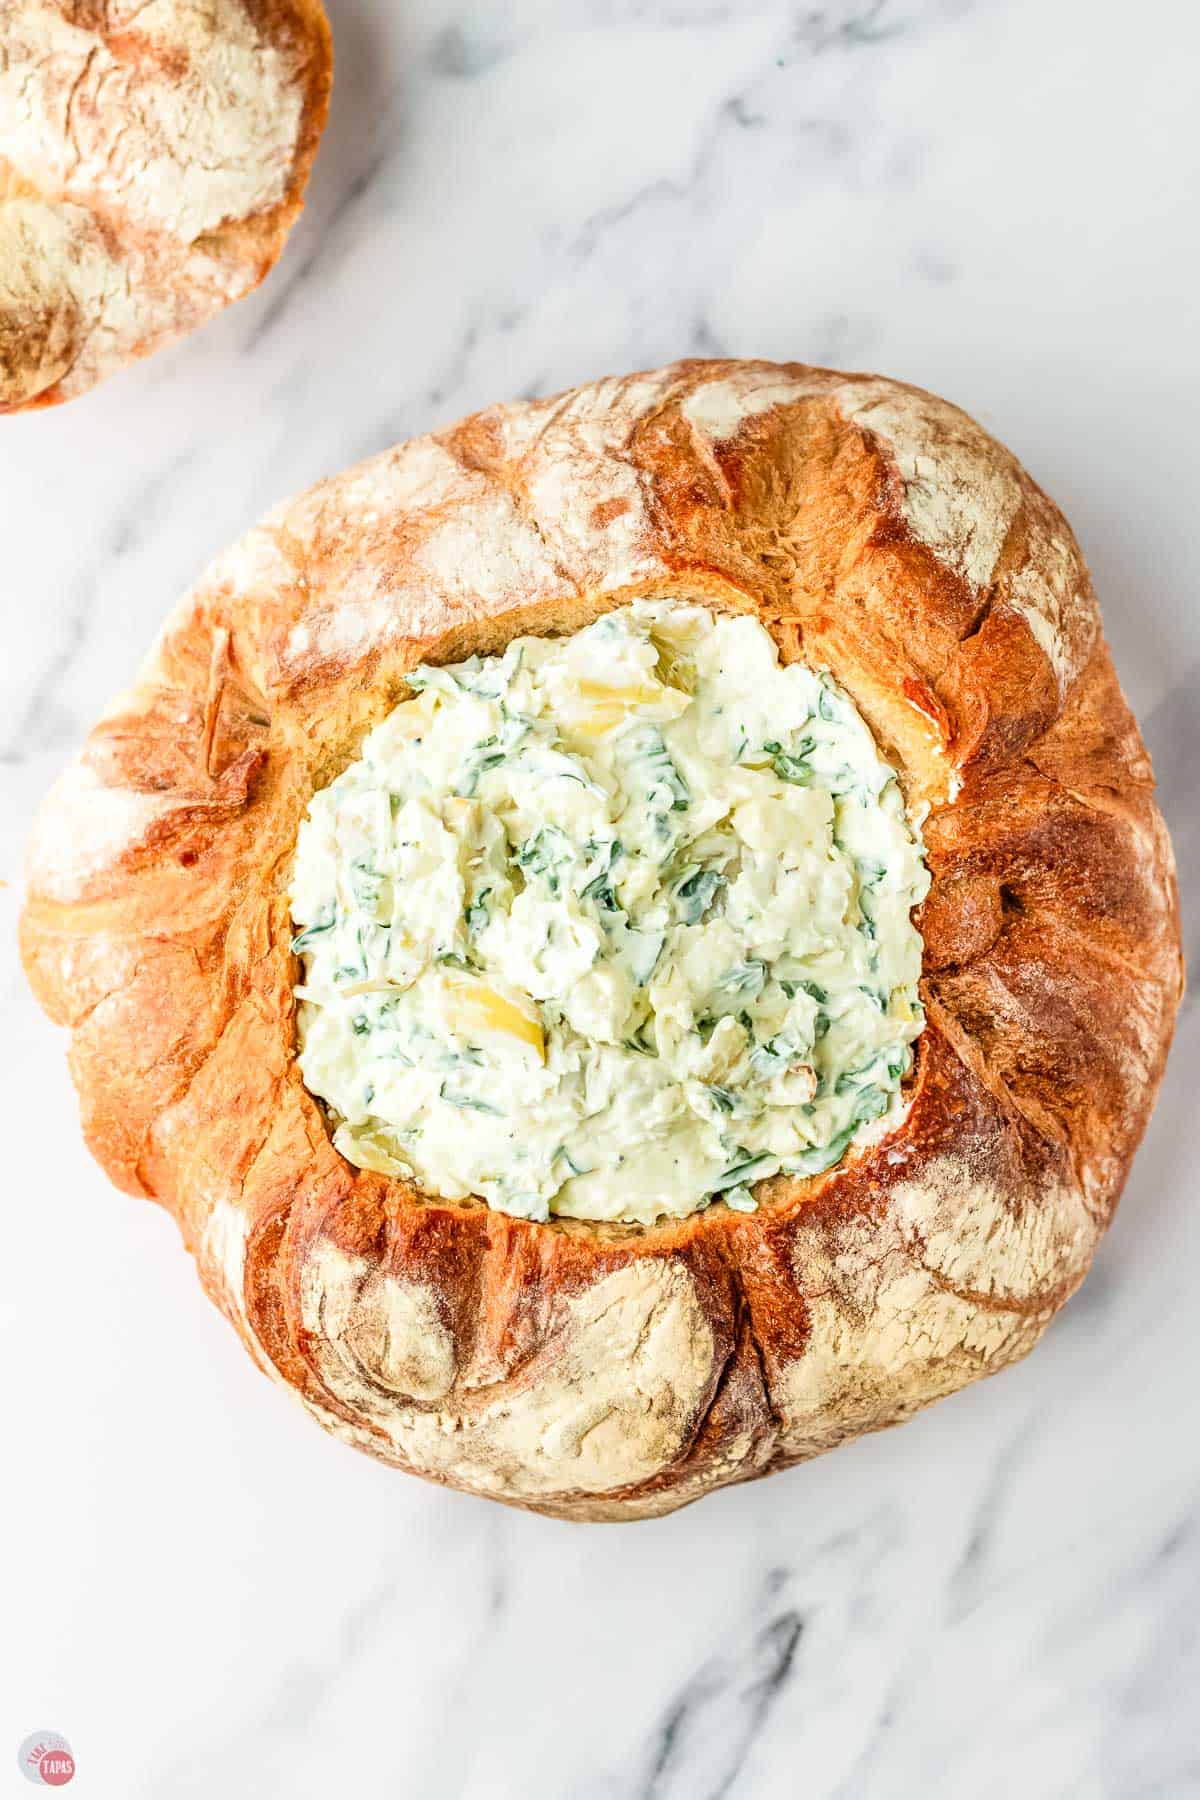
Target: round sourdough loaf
point(152, 162)
point(604, 1371)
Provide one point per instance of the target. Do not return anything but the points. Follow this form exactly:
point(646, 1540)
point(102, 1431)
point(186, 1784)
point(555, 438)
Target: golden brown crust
point(616, 1372)
point(153, 159)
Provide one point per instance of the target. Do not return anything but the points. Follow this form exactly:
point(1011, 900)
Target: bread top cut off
point(604, 1370)
point(153, 159)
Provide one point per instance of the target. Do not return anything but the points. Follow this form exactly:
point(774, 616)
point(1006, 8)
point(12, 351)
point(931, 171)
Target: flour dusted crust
point(153, 156)
point(614, 1371)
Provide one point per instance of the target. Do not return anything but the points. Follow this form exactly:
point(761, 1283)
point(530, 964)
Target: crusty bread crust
point(613, 1371)
point(153, 159)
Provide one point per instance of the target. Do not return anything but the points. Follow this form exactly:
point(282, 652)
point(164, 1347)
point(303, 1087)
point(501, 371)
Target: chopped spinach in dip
point(610, 925)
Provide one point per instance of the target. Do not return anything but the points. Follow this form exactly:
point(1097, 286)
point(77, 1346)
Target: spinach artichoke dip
point(610, 925)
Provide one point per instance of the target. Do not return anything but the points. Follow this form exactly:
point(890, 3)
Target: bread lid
point(152, 162)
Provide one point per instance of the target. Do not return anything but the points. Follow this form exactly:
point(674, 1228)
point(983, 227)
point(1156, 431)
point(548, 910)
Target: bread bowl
point(152, 162)
point(610, 1366)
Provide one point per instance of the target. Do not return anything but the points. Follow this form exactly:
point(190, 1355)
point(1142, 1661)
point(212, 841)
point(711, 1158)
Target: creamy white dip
point(610, 925)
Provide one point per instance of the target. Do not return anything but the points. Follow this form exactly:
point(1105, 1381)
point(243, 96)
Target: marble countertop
point(204, 1593)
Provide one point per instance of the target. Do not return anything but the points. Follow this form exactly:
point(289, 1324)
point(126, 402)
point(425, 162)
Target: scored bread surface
point(153, 158)
point(607, 1371)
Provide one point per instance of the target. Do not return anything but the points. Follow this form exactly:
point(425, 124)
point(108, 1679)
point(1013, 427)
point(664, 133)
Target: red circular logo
point(56, 1768)
point(45, 1759)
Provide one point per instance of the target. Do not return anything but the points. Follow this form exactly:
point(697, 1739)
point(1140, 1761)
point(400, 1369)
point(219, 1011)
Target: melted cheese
point(610, 925)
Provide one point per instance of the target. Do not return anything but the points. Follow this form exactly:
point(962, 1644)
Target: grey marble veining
point(995, 198)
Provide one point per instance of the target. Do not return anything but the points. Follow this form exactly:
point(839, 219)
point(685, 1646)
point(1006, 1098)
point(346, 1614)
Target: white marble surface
point(204, 1593)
